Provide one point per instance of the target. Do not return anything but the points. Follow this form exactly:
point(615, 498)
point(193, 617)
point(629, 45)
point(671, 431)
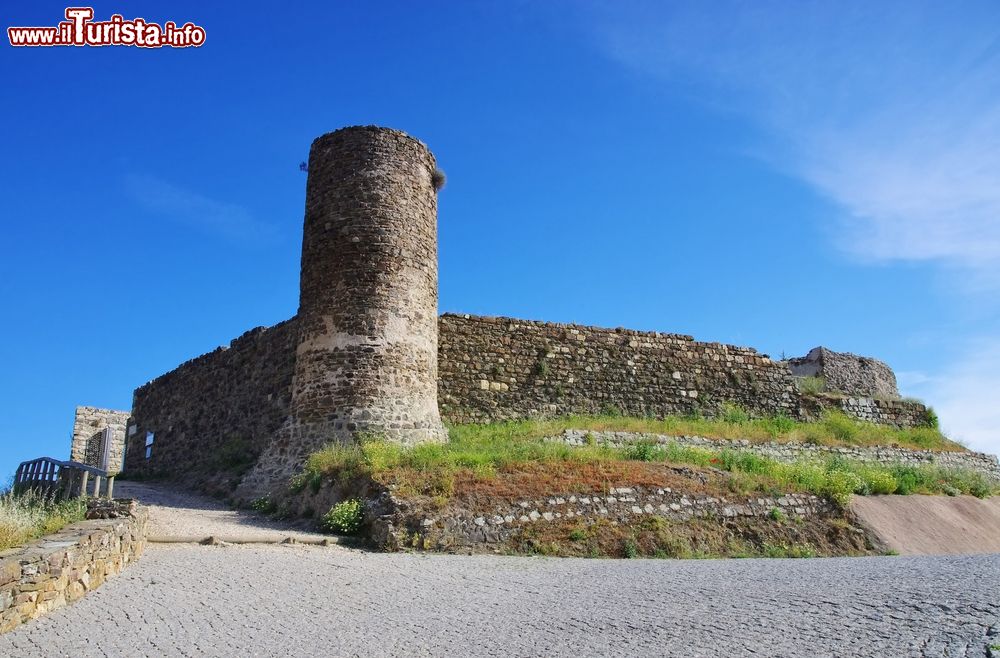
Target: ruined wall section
point(501, 368)
point(90, 426)
point(847, 373)
point(211, 417)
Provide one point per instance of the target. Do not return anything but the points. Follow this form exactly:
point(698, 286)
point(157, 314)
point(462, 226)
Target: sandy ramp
point(932, 525)
point(178, 515)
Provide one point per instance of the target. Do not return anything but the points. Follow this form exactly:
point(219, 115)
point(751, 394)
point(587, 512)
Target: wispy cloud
point(966, 395)
point(889, 109)
point(228, 220)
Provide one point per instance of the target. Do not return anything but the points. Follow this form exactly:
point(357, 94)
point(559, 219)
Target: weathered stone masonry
point(453, 529)
point(501, 368)
point(848, 373)
point(489, 369)
point(56, 570)
point(93, 428)
point(366, 359)
point(367, 352)
point(899, 413)
point(985, 464)
point(220, 408)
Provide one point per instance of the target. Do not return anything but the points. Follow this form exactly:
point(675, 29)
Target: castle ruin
point(367, 353)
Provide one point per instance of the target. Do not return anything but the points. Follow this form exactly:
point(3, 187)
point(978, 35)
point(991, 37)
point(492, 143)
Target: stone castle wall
point(501, 368)
point(224, 410)
point(218, 411)
point(89, 426)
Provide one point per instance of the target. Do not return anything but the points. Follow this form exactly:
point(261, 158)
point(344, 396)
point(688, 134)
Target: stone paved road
point(267, 600)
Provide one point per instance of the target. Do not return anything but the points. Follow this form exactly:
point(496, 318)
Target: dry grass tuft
point(29, 515)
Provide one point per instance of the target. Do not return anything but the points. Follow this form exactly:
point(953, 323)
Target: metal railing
point(63, 479)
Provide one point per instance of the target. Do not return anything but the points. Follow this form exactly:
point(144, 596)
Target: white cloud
point(966, 396)
point(891, 110)
point(228, 220)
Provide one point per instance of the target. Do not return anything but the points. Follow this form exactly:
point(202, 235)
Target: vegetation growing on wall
point(811, 384)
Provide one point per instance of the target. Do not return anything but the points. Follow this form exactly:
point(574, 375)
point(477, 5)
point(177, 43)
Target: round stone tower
point(367, 354)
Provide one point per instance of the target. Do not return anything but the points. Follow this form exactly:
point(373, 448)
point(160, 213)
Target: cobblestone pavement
point(268, 600)
point(177, 514)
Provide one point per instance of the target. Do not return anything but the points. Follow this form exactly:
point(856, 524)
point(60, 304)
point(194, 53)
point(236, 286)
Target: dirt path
point(932, 525)
point(177, 515)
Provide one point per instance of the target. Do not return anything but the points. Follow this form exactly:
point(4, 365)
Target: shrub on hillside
point(840, 426)
point(733, 413)
point(344, 517)
point(931, 418)
point(879, 481)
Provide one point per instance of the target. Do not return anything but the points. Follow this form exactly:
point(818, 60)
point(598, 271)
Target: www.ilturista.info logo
point(79, 29)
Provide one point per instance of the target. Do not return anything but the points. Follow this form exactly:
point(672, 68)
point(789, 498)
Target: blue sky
point(773, 174)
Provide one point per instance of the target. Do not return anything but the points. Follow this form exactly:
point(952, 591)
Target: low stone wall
point(56, 570)
point(983, 463)
point(897, 413)
point(623, 505)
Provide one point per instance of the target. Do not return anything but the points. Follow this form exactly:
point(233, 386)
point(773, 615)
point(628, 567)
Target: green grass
point(29, 515)
point(835, 429)
point(811, 384)
point(834, 478)
point(484, 450)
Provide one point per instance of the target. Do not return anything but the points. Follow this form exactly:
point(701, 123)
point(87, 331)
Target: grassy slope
point(487, 453)
point(835, 429)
